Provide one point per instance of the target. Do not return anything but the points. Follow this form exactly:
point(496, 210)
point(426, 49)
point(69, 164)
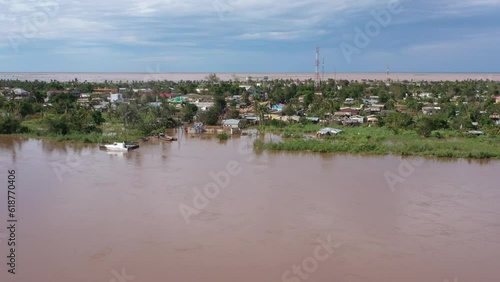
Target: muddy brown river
point(201, 210)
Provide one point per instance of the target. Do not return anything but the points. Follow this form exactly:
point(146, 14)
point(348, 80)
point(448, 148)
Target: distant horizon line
point(110, 72)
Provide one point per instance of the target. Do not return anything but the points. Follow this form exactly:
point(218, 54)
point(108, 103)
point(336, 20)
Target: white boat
point(117, 147)
point(120, 146)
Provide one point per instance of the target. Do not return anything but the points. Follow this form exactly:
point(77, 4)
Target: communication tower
point(316, 79)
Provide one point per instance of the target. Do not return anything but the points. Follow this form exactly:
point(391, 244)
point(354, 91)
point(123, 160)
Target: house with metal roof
point(313, 119)
point(328, 131)
point(431, 110)
point(232, 123)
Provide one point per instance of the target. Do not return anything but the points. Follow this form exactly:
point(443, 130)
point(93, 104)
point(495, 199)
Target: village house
point(495, 118)
point(103, 91)
point(290, 118)
point(52, 92)
point(327, 131)
point(431, 110)
point(204, 106)
point(252, 119)
point(351, 111)
point(201, 90)
point(372, 119)
point(371, 100)
point(196, 128)
point(373, 110)
point(313, 119)
point(425, 95)
point(352, 120)
point(349, 101)
point(277, 108)
point(19, 94)
point(247, 87)
point(358, 119)
point(141, 90)
point(233, 125)
point(116, 98)
point(341, 114)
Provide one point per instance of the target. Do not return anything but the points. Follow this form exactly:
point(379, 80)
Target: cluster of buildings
point(14, 93)
point(354, 111)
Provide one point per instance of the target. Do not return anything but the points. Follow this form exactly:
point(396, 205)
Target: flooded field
point(201, 210)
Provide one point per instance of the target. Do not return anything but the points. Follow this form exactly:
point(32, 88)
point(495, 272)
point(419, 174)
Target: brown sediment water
point(88, 215)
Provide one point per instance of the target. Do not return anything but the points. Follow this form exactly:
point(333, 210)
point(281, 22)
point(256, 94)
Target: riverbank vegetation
point(384, 141)
point(445, 118)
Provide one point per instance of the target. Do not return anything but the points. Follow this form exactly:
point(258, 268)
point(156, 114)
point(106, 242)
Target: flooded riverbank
point(204, 210)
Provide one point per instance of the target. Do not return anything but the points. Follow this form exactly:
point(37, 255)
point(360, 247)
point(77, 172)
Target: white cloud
point(169, 29)
point(466, 43)
point(159, 59)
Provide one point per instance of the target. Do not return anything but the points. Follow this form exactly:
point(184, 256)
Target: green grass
point(38, 129)
point(383, 141)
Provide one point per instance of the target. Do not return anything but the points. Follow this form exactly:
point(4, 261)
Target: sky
point(249, 35)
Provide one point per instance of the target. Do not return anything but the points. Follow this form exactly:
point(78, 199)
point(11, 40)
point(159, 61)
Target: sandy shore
point(101, 77)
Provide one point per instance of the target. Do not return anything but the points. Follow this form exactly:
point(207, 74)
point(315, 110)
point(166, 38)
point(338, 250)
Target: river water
point(88, 215)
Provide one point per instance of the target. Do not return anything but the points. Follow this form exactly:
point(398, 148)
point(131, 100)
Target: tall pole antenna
point(316, 79)
point(388, 72)
point(335, 80)
point(323, 71)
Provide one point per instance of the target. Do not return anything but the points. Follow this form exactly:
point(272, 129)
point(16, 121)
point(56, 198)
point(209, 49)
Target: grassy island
point(383, 141)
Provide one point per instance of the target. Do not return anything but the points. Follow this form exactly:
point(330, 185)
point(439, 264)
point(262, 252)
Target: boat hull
point(120, 147)
point(109, 148)
point(166, 138)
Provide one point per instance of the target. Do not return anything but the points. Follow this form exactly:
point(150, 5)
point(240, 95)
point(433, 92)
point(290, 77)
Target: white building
point(116, 98)
point(231, 123)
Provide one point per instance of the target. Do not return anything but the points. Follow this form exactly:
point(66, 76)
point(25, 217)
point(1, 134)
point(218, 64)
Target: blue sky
point(249, 35)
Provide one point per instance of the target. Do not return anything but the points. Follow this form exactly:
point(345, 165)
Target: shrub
point(9, 125)
point(223, 136)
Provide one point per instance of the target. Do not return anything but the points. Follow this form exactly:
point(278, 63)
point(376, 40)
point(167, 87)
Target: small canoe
point(167, 138)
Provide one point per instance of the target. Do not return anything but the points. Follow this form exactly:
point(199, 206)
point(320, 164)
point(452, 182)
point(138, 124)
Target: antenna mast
point(316, 79)
point(323, 71)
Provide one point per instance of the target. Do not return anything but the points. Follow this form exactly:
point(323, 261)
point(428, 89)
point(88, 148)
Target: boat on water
point(166, 138)
point(121, 146)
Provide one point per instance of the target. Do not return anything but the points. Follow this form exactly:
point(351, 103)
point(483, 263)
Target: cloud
point(466, 42)
point(159, 59)
point(164, 30)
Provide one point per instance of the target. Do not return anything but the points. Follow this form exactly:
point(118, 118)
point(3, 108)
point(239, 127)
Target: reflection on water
point(117, 154)
point(87, 214)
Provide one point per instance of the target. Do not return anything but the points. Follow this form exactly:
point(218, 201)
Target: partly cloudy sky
point(249, 35)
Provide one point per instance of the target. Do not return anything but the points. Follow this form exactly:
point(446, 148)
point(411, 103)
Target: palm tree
point(10, 106)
